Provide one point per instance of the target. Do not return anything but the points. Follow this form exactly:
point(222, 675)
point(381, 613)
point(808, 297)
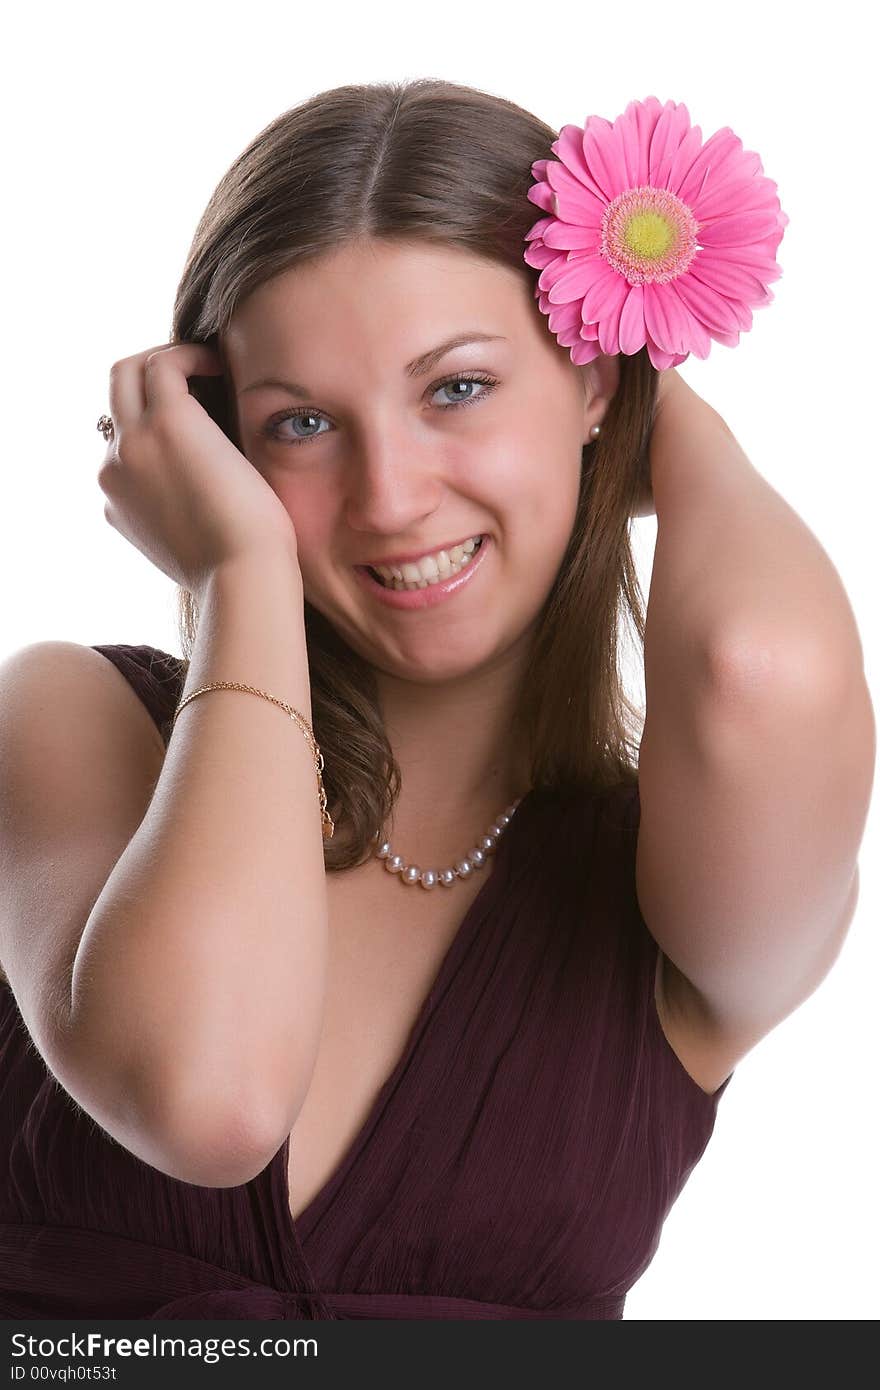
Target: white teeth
point(440, 565)
point(413, 571)
point(429, 570)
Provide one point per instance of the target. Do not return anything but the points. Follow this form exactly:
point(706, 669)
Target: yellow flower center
point(648, 235)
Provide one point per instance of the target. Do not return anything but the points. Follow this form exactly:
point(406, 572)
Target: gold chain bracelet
point(327, 826)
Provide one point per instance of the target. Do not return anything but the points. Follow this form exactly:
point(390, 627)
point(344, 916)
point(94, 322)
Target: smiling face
point(384, 461)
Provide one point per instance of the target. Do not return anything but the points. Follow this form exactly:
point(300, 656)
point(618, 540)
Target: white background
point(118, 122)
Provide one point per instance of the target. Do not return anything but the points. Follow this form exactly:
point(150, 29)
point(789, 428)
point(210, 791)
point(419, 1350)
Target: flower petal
point(538, 255)
point(731, 279)
point(571, 236)
point(697, 337)
point(574, 202)
point(742, 313)
point(574, 281)
point(542, 195)
point(620, 153)
point(538, 228)
point(582, 353)
point(607, 329)
point(606, 294)
point(674, 138)
point(632, 321)
point(660, 359)
point(753, 257)
point(739, 230)
point(666, 319)
point(565, 316)
point(569, 146)
point(599, 160)
point(638, 124)
point(712, 309)
point(736, 189)
point(718, 156)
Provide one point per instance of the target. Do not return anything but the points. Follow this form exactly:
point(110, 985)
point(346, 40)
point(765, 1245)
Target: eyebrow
point(418, 367)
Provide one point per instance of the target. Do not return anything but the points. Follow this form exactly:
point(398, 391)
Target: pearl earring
point(595, 431)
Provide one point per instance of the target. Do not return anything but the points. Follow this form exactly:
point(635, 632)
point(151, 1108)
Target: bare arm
point(757, 757)
point(201, 969)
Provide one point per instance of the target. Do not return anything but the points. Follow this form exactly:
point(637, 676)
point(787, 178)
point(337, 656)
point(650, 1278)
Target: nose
point(394, 481)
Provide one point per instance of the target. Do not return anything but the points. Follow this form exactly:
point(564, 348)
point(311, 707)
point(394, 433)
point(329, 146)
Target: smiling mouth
point(403, 585)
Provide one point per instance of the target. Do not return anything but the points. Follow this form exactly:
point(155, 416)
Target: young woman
point(420, 1003)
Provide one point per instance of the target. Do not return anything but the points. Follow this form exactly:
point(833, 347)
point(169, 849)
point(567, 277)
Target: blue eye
point(271, 430)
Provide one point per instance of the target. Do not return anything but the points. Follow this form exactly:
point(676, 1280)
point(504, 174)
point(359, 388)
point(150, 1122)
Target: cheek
point(304, 508)
point(532, 483)
point(540, 509)
point(312, 519)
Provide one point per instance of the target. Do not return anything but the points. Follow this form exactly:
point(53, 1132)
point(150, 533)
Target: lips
point(381, 579)
point(415, 555)
point(424, 597)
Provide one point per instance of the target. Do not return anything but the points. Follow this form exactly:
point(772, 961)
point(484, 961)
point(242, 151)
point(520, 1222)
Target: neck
point(461, 762)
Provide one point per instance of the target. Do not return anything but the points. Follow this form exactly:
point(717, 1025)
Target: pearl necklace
point(474, 859)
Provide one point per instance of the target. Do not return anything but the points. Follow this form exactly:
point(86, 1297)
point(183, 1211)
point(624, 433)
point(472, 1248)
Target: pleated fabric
point(519, 1161)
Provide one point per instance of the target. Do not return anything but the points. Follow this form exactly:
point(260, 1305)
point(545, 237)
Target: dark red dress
point(519, 1162)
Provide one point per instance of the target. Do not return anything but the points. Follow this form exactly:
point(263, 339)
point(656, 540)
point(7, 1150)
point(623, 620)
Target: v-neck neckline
point(301, 1227)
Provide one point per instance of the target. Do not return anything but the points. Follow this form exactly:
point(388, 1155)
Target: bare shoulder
point(80, 756)
point(88, 679)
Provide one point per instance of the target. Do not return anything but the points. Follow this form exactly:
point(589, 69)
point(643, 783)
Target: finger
point(166, 371)
point(127, 396)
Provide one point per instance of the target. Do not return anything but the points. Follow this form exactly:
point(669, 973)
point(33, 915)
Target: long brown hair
point(430, 160)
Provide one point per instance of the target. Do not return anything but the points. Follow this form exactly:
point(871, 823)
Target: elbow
point(226, 1154)
point(749, 668)
point(207, 1130)
point(213, 1142)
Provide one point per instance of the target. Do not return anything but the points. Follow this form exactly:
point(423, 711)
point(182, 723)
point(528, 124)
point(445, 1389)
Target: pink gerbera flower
point(653, 237)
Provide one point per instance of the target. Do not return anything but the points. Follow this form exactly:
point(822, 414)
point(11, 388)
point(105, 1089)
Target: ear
point(601, 380)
